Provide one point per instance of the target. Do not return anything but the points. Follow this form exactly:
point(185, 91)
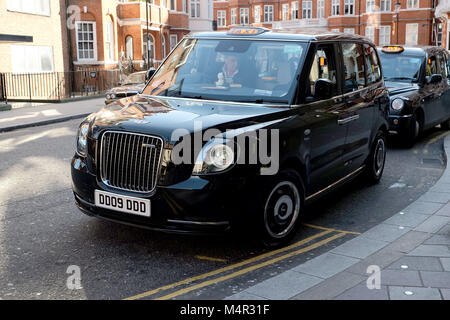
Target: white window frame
point(306, 9)
point(244, 16)
point(257, 17)
point(350, 6)
point(268, 13)
point(320, 9)
point(335, 7)
point(172, 43)
point(294, 10)
point(195, 9)
point(370, 6)
point(129, 53)
point(233, 16)
point(385, 5)
point(94, 30)
point(384, 36)
point(29, 6)
point(174, 7)
point(30, 53)
point(370, 33)
point(410, 32)
point(285, 11)
point(412, 4)
point(349, 30)
point(109, 39)
point(221, 18)
point(183, 6)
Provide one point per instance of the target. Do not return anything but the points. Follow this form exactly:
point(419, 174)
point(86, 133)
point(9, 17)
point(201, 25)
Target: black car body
point(418, 82)
point(132, 85)
point(321, 112)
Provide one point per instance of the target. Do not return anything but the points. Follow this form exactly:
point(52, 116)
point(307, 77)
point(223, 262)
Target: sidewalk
point(48, 113)
point(412, 250)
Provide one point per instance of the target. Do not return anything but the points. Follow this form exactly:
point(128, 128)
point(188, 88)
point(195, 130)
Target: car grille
point(130, 161)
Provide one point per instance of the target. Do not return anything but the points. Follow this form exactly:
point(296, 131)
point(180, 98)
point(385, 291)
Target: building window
point(233, 16)
point(163, 3)
point(384, 38)
point(412, 30)
point(150, 44)
point(41, 7)
point(385, 5)
point(439, 34)
point(349, 7)
point(294, 10)
point(221, 18)
point(183, 5)
point(285, 11)
point(163, 44)
point(335, 30)
point(335, 7)
point(109, 43)
point(173, 41)
point(31, 59)
point(370, 6)
point(244, 16)
point(370, 33)
point(129, 47)
point(349, 30)
point(86, 40)
point(257, 14)
point(307, 9)
point(195, 8)
point(320, 9)
point(268, 13)
point(412, 4)
point(173, 5)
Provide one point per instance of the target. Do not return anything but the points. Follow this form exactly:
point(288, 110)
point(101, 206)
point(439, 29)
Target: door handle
point(349, 119)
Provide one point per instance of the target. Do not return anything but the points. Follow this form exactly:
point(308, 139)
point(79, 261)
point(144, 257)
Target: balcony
point(301, 23)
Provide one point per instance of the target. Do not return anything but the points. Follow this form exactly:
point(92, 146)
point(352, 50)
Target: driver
point(230, 73)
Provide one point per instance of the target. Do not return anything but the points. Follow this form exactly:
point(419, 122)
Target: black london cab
point(236, 129)
point(418, 82)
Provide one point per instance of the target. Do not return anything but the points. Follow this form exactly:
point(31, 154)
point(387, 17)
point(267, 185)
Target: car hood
point(395, 87)
point(128, 88)
point(162, 116)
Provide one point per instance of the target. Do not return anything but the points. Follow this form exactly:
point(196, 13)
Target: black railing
point(57, 85)
point(2, 88)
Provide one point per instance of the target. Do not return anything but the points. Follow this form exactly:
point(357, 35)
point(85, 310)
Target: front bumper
point(196, 205)
point(400, 124)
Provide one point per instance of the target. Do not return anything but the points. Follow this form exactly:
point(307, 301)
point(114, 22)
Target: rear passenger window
point(432, 66)
point(353, 67)
point(373, 65)
point(442, 65)
point(323, 67)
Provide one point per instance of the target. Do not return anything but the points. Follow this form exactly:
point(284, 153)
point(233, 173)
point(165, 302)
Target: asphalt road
point(42, 233)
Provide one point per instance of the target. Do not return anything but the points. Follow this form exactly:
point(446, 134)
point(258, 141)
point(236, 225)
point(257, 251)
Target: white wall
point(204, 23)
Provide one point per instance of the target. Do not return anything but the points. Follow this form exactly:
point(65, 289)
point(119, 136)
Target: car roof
point(285, 34)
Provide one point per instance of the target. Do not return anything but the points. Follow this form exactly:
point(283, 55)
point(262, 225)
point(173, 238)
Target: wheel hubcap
point(380, 153)
point(282, 209)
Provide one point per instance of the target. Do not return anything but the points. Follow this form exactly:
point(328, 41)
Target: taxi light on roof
point(392, 49)
point(246, 31)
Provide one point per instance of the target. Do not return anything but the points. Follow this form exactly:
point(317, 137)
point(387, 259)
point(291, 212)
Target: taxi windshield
point(401, 67)
point(230, 70)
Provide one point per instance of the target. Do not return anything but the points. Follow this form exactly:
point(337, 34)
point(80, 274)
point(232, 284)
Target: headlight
point(113, 95)
point(108, 96)
point(397, 104)
point(82, 139)
point(216, 156)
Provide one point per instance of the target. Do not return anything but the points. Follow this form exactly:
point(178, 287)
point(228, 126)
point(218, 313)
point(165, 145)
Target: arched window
point(150, 44)
point(129, 47)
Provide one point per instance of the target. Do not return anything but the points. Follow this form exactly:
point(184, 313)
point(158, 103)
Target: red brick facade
point(376, 19)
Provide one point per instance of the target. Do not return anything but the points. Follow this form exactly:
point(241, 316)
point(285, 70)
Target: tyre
point(446, 125)
point(377, 157)
point(280, 208)
point(411, 134)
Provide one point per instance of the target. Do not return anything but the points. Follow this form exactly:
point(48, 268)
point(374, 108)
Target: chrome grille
point(130, 161)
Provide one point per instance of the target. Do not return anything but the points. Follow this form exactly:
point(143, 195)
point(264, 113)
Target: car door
point(444, 88)
point(361, 74)
point(326, 134)
point(433, 92)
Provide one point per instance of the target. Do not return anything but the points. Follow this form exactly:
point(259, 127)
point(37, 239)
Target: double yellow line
point(241, 264)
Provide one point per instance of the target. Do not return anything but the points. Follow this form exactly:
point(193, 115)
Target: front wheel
point(377, 158)
point(280, 208)
point(446, 125)
point(412, 132)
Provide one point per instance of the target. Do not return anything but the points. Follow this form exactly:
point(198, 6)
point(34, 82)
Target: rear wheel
point(280, 208)
point(411, 134)
point(375, 162)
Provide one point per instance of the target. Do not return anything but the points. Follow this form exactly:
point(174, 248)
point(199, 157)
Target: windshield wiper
point(267, 101)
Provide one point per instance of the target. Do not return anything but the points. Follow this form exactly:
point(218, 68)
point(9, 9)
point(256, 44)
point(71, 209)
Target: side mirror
point(323, 89)
point(434, 78)
point(119, 83)
point(150, 73)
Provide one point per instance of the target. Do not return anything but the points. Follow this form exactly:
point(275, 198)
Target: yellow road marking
point(331, 229)
point(210, 258)
point(230, 267)
point(437, 138)
point(249, 269)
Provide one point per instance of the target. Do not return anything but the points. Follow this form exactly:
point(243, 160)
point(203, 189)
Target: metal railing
point(56, 85)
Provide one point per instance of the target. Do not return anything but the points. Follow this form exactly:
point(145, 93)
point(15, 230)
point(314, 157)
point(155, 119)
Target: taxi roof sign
point(392, 49)
point(246, 31)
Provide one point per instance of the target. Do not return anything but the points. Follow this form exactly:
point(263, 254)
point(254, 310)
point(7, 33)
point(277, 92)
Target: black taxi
point(418, 82)
point(239, 128)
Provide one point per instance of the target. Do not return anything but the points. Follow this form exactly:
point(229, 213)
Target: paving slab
point(423, 207)
point(407, 219)
point(359, 247)
point(385, 232)
point(417, 263)
point(398, 293)
point(439, 197)
point(326, 265)
point(436, 279)
point(400, 278)
point(361, 292)
point(431, 250)
point(445, 210)
point(445, 294)
point(439, 239)
point(244, 296)
point(445, 263)
point(433, 224)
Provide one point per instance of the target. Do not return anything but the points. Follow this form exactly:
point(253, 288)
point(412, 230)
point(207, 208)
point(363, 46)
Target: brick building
point(110, 32)
point(409, 22)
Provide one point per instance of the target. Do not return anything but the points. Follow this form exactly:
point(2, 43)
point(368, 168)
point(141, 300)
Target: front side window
point(268, 13)
point(86, 40)
point(372, 65)
point(230, 70)
point(243, 16)
point(335, 4)
point(354, 78)
point(307, 9)
point(323, 68)
point(349, 7)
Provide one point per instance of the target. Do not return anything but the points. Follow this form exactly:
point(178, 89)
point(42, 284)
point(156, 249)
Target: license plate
point(121, 203)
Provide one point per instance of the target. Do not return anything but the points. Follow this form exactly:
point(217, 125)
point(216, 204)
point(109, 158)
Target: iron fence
point(56, 85)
